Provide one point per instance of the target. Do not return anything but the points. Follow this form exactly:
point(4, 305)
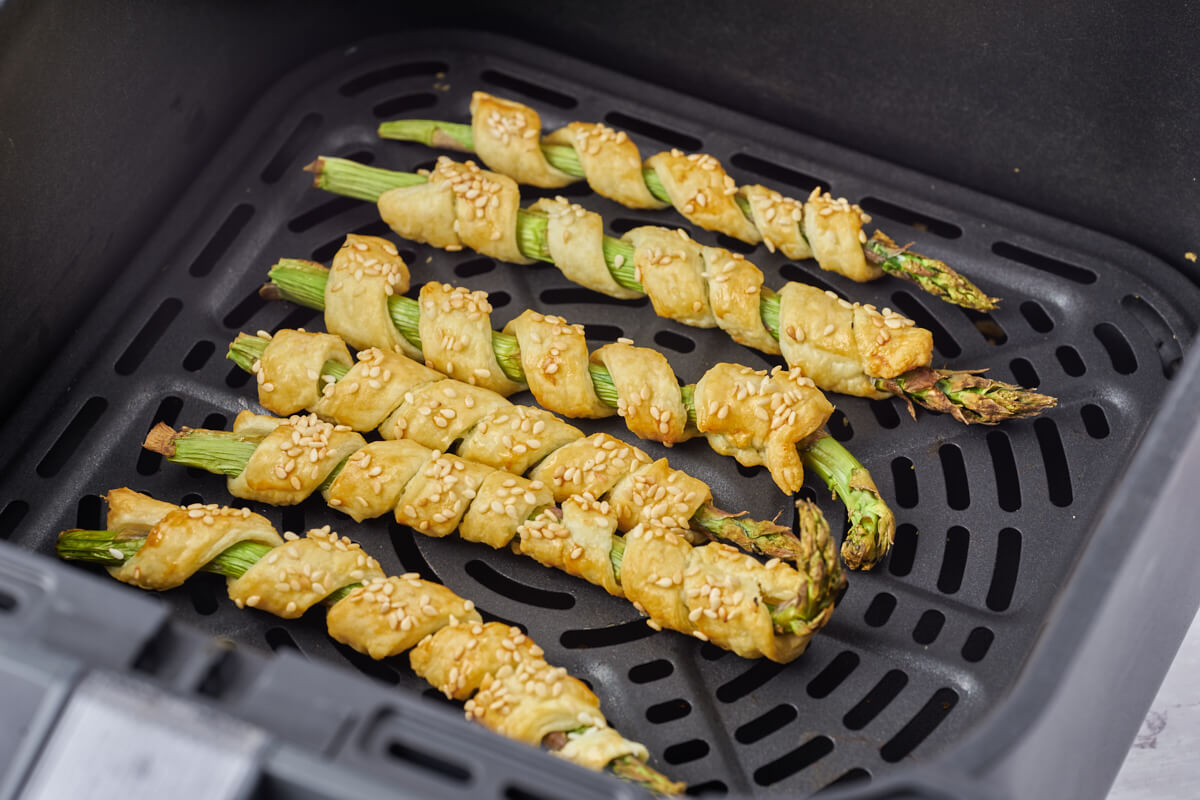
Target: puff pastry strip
point(871, 522)
point(432, 492)
point(366, 271)
point(555, 362)
point(439, 413)
point(381, 616)
point(710, 286)
point(831, 230)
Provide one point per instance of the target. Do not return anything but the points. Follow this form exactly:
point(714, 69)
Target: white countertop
point(1164, 761)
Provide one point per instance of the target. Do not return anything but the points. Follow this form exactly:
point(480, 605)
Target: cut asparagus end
point(297, 281)
point(348, 178)
point(933, 276)
point(105, 548)
point(966, 395)
point(219, 452)
point(872, 525)
point(161, 440)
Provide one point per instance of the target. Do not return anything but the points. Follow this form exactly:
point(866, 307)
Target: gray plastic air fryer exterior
point(1099, 642)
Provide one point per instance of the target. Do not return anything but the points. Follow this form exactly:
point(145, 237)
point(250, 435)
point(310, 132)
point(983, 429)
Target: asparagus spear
point(946, 392)
point(111, 548)
point(227, 453)
point(872, 523)
point(932, 275)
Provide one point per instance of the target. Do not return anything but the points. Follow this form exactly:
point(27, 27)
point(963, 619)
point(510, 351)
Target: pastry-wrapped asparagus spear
point(158, 546)
point(771, 416)
point(505, 135)
point(770, 610)
point(762, 430)
point(848, 348)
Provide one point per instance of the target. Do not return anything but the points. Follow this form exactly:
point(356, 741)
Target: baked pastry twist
point(828, 229)
point(782, 408)
point(517, 694)
point(714, 592)
point(407, 401)
point(436, 493)
point(365, 272)
point(770, 415)
point(505, 136)
point(694, 284)
point(554, 354)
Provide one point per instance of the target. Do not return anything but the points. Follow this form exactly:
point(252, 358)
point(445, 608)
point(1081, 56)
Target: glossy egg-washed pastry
point(696, 184)
point(506, 136)
point(843, 347)
point(755, 416)
point(777, 607)
point(298, 370)
point(759, 417)
point(158, 546)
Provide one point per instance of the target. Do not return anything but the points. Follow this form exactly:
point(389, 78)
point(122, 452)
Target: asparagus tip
point(966, 395)
point(931, 274)
point(161, 439)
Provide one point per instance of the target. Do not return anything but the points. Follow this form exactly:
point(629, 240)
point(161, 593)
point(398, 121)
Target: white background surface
point(1164, 761)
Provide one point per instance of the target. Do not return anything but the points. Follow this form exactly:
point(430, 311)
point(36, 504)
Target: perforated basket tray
point(993, 522)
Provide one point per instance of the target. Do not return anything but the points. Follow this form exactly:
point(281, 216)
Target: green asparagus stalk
point(111, 548)
point(932, 275)
point(341, 176)
point(224, 453)
point(303, 282)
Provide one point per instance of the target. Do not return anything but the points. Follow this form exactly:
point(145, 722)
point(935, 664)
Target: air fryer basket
point(993, 522)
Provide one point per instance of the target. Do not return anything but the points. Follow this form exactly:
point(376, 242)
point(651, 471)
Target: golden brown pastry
point(456, 336)
point(460, 206)
point(387, 616)
point(456, 332)
point(712, 592)
point(779, 220)
point(440, 413)
point(759, 417)
point(293, 365)
point(507, 136)
point(671, 269)
point(554, 355)
point(610, 161)
point(734, 288)
point(516, 692)
point(702, 191)
point(366, 271)
point(293, 459)
point(302, 572)
point(179, 539)
point(648, 395)
point(833, 228)
point(845, 346)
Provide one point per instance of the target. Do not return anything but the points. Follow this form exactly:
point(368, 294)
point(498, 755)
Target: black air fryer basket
point(1038, 586)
